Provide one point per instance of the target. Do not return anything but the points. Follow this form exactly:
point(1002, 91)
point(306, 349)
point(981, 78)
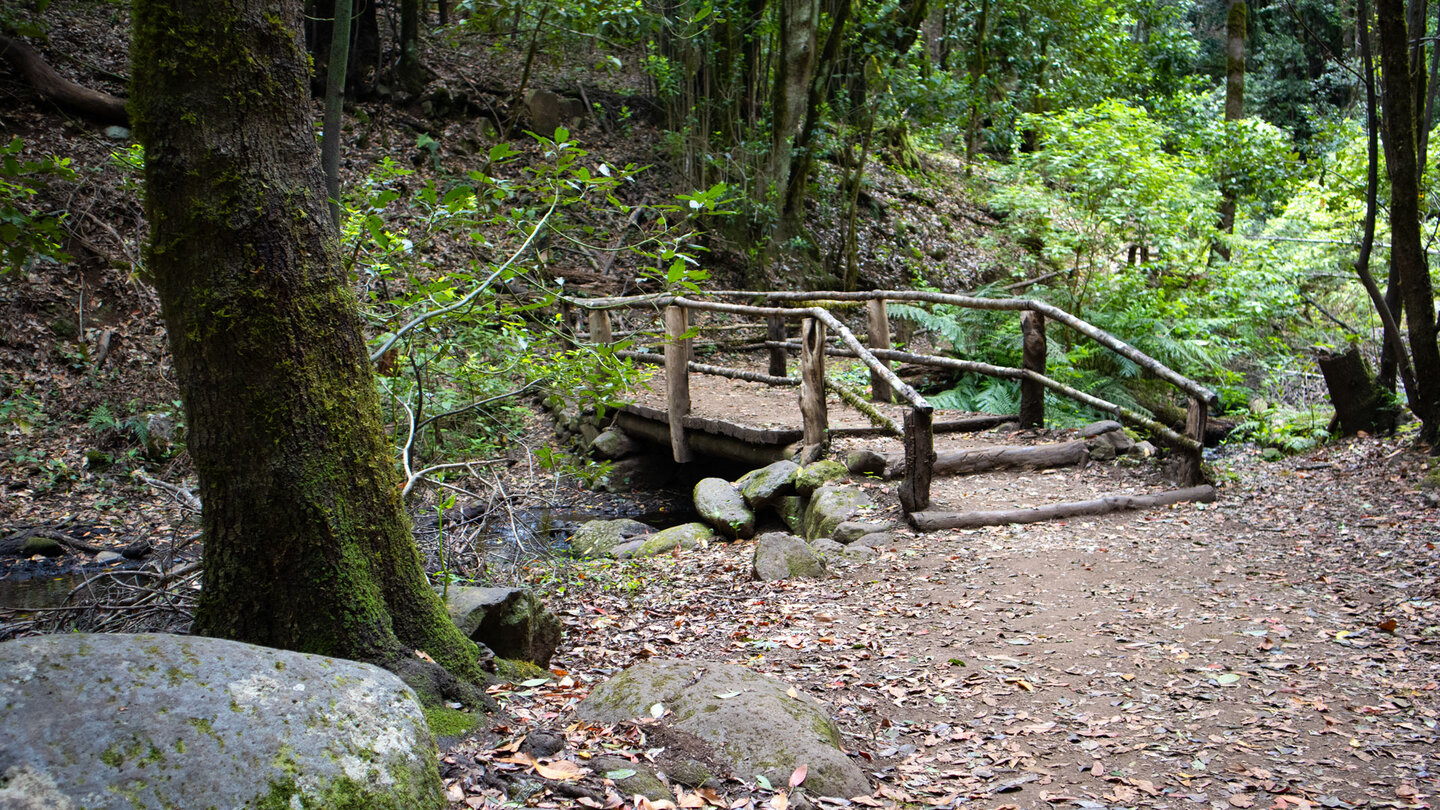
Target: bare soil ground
point(1275, 649)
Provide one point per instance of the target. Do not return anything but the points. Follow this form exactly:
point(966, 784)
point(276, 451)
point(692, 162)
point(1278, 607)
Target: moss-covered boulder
point(791, 509)
point(721, 505)
point(512, 671)
point(761, 487)
point(512, 622)
point(831, 506)
point(614, 444)
point(206, 723)
point(784, 556)
point(598, 538)
point(686, 536)
point(813, 476)
point(750, 719)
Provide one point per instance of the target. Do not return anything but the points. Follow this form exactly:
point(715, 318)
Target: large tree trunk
point(334, 106)
point(794, 66)
point(793, 216)
point(1360, 404)
point(979, 92)
point(1393, 358)
point(307, 544)
point(1235, 25)
point(409, 70)
point(1407, 251)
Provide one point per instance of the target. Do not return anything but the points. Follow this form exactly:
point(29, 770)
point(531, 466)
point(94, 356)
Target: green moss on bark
point(307, 545)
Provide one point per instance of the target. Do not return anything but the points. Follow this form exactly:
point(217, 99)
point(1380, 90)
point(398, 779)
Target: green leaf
point(535, 682)
point(622, 773)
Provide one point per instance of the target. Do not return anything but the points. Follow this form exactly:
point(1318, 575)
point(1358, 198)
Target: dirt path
point(1275, 649)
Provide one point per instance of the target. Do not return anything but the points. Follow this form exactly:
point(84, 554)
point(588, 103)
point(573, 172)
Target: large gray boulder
point(784, 556)
point(685, 536)
point(510, 621)
point(614, 444)
point(751, 719)
point(831, 506)
point(864, 461)
point(851, 530)
point(761, 487)
point(813, 476)
point(598, 538)
point(145, 722)
point(791, 509)
point(721, 505)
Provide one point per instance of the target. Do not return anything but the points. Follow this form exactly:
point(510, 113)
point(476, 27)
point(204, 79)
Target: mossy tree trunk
point(1236, 19)
point(409, 70)
point(307, 544)
point(794, 66)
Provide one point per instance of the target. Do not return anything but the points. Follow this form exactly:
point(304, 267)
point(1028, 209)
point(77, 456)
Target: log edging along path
point(918, 428)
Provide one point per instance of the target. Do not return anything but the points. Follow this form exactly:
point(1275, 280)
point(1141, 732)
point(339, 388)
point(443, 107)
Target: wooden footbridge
point(891, 406)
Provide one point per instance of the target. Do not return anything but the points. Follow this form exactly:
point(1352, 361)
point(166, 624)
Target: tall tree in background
point(1235, 24)
point(794, 67)
point(307, 545)
point(335, 74)
point(409, 70)
point(1402, 99)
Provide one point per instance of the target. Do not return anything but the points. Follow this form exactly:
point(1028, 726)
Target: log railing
point(816, 321)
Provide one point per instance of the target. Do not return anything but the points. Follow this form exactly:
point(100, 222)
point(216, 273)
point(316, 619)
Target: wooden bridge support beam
point(878, 337)
point(567, 318)
point(1032, 392)
point(812, 383)
point(677, 380)
point(775, 333)
point(919, 459)
point(599, 322)
point(1192, 472)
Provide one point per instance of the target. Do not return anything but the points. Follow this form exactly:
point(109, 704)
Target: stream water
point(502, 543)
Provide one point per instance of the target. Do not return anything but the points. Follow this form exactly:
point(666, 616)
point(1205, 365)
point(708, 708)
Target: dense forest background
point(1206, 180)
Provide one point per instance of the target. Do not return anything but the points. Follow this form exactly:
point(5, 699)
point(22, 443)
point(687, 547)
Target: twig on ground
point(186, 497)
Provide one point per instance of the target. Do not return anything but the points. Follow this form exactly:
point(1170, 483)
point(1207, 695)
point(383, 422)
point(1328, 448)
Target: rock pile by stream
point(806, 518)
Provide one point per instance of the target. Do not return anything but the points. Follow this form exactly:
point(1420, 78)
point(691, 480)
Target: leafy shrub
point(27, 235)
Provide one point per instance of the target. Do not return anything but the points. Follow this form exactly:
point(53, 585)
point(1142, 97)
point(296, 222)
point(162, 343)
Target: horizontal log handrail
point(1050, 311)
point(1163, 431)
point(919, 451)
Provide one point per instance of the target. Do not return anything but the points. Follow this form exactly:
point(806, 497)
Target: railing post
point(1032, 393)
point(812, 382)
point(599, 321)
point(1192, 472)
point(567, 318)
point(919, 459)
point(878, 338)
point(677, 379)
point(775, 333)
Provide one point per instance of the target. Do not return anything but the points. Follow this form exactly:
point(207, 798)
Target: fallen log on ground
point(985, 459)
point(58, 90)
point(930, 521)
